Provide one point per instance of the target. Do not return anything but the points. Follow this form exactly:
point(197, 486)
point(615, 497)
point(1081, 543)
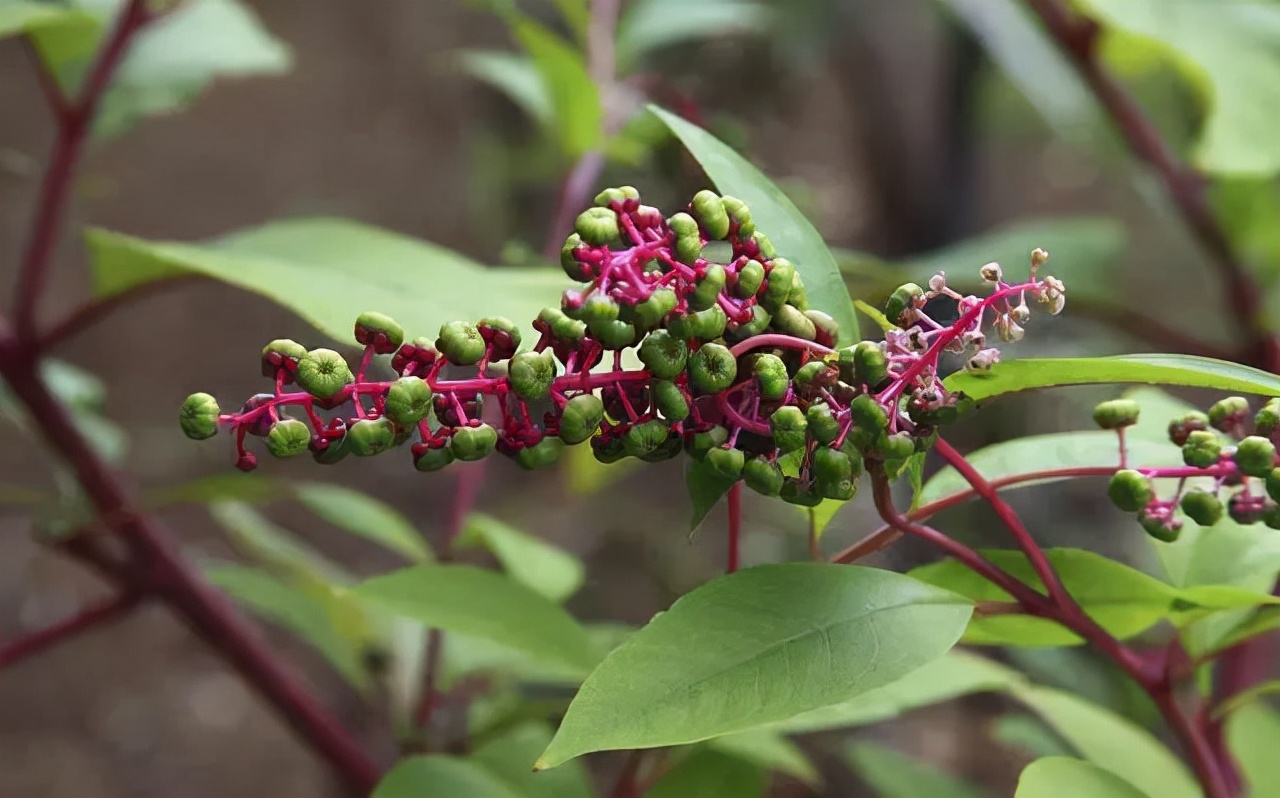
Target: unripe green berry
point(1271, 515)
point(461, 343)
point(581, 418)
point(669, 448)
point(1164, 530)
point(708, 287)
point(408, 401)
point(608, 450)
point(740, 214)
point(832, 473)
point(1267, 420)
point(1116, 414)
point(370, 436)
point(573, 267)
point(433, 459)
point(379, 331)
point(788, 426)
point(1202, 449)
point(501, 334)
point(473, 443)
point(812, 377)
point(644, 438)
point(777, 286)
point(824, 427)
point(799, 296)
point(1227, 415)
point(870, 366)
point(323, 373)
point(867, 413)
point(614, 334)
point(712, 368)
point(703, 325)
point(198, 416)
point(828, 329)
point(669, 400)
point(902, 298)
point(1273, 484)
point(618, 195)
point(760, 320)
point(898, 446)
point(790, 321)
point(278, 354)
point(796, 492)
point(649, 313)
point(597, 226)
point(1129, 490)
point(561, 327)
point(709, 210)
point(1202, 507)
point(698, 444)
point(764, 245)
point(771, 375)
point(682, 224)
point(727, 463)
point(544, 453)
point(335, 451)
point(749, 279)
point(288, 437)
point(530, 374)
point(762, 476)
point(1181, 428)
point(598, 308)
point(663, 354)
point(1255, 456)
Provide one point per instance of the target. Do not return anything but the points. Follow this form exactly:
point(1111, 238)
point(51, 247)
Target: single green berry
point(1202, 449)
point(574, 268)
point(763, 476)
point(1273, 484)
point(1163, 529)
point(501, 334)
point(331, 451)
point(703, 325)
point(1255, 456)
point(530, 374)
point(663, 354)
point(828, 329)
point(708, 288)
point(1202, 507)
point(198, 416)
point(903, 297)
point(614, 334)
point(728, 463)
point(581, 418)
point(688, 246)
point(408, 401)
point(379, 331)
point(799, 296)
point(461, 343)
point(824, 427)
point(1229, 414)
point(788, 426)
point(709, 210)
point(428, 459)
point(867, 413)
point(771, 375)
point(473, 443)
point(712, 368)
point(288, 437)
point(698, 444)
point(682, 224)
point(763, 245)
point(669, 400)
point(1271, 515)
point(645, 438)
point(597, 226)
point(370, 436)
point(619, 195)
point(1181, 428)
point(832, 472)
point(608, 450)
point(598, 308)
point(796, 492)
point(669, 448)
point(760, 320)
point(777, 287)
point(1267, 420)
point(540, 455)
point(749, 279)
point(649, 313)
point(324, 373)
point(898, 446)
point(790, 321)
point(1129, 490)
point(870, 366)
point(740, 215)
point(1116, 414)
point(282, 353)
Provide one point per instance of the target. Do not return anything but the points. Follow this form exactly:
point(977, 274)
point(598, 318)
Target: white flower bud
point(982, 362)
point(1021, 314)
point(938, 281)
point(992, 272)
point(1038, 258)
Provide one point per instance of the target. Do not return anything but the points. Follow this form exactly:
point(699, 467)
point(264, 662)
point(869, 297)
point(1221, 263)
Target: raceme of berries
point(1230, 448)
point(738, 371)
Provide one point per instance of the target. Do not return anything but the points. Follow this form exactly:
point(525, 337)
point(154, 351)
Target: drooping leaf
point(515, 76)
point(437, 774)
point(770, 750)
point(757, 647)
point(296, 263)
point(510, 756)
point(649, 25)
point(237, 487)
point(553, 572)
point(271, 545)
point(776, 216)
point(365, 516)
point(1253, 738)
point(485, 604)
point(706, 487)
point(575, 98)
point(874, 313)
point(1063, 777)
point(894, 775)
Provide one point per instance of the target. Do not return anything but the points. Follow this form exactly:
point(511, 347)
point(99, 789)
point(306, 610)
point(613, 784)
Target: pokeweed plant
point(720, 332)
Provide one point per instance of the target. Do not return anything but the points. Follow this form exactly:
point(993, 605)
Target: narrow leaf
point(1063, 777)
point(574, 96)
point(437, 774)
point(365, 516)
point(771, 751)
point(553, 572)
point(510, 756)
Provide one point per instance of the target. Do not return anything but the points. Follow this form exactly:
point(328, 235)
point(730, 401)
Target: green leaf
point(237, 487)
point(1230, 52)
point(873, 313)
point(705, 487)
point(1028, 732)
point(574, 96)
point(1198, 372)
point(297, 263)
point(756, 647)
point(894, 775)
point(648, 25)
point(515, 76)
point(711, 774)
point(510, 756)
point(272, 545)
point(437, 774)
point(587, 475)
point(484, 604)
point(1253, 738)
point(551, 571)
point(771, 751)
point(776, 216)
point(365, 516)
point(1063, 777)
point(24, 16)
point(1246, 697)
point(1266, 619)
point(1112, 742)
point(303, 612)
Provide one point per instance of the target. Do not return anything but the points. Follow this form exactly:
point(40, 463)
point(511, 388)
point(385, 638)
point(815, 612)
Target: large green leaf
point(1188, 370)
point(553, 572)
point(895, 775)
point(574, 96)
point(485, 604)
point(511, 755)
point(1230, 52)
point(437, 774)
point(647, 25)
point(329, 271)
point(1063, 777)
point(1253, 737)
point(365, 516)
point(769, 749)
point(756, 647)
point(776, 216)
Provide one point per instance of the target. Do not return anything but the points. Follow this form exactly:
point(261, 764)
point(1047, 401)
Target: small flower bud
point(790, 321)
point(408, 401)
point(1202, 449)
point(1020, 314)
point(1038, 258)
point(788, 426)
point(542, 454)
point(1116, 414)
point(288, 437)
point(430, 459)
point(379, 331)
point(501, 334)
point(777, 287)
point(530, 374)
point(762, 476)
point(461, 343)
point(771, 376)
point(369, 436)
point(1202, 507)
point(823, 426)
point(903, 299)
point(1129, 490)
point(282, 353)
point(1255, 456)
point(749, 279)
point(727, 463)
point(982, 361)
point(247, 461)
point(708, 289)
point(324, 373)
point(1052, 294)
point(663, 354)
point(646, 437)
point(992, 273)
point(938, 282)
point(198, 416)
point(597, 226)
point(473, 443)
point(740, 215)
point(1181, 428)
point(712, 368)
point(581, 418)
point(708, 209)
point(1162, 528)
point(1008, 330)
point(614, 334)
point(669, 400)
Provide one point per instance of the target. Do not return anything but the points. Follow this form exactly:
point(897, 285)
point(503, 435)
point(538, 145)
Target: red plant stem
point(74, 122)
point(91, 617)
point(627, 784)
point(95, 310)
point(735, 527)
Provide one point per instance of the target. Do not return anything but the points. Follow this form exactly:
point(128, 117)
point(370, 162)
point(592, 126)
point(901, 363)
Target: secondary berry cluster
point(736, 369)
